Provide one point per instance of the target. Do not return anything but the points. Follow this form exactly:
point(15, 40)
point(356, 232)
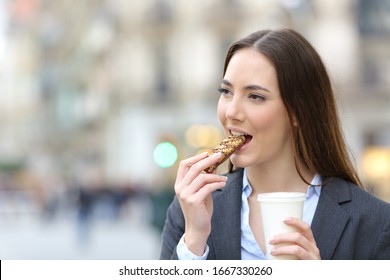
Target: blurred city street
point(100, 100)
point(27, 236)
point(32, 240)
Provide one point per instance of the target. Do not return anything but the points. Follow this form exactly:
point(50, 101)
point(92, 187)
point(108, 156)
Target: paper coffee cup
point(274, 208)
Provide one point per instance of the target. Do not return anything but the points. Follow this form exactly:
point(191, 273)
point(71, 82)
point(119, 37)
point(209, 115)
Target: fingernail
point(286, 219)
point(216, 154)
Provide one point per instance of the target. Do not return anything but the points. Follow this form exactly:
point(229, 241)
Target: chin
point(238, 163)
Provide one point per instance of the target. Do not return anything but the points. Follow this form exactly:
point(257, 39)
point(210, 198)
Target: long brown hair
point(308, 96)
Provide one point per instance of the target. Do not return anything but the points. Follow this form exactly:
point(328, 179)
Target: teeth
point(235, 133)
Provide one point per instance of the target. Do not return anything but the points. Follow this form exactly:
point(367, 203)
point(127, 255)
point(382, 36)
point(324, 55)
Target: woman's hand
point(193, 188)
point(302, 243)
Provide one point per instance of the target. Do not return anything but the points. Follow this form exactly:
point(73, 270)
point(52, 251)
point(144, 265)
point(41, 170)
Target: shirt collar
point(246, 187)
point(313, 189)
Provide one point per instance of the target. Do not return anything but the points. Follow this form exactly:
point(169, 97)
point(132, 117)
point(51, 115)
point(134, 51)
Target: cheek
point(270, 120)
point(221, 111)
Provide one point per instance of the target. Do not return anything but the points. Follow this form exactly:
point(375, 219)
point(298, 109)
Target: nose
point(234, 110)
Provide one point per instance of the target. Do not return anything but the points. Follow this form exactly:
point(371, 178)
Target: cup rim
point(281, 196)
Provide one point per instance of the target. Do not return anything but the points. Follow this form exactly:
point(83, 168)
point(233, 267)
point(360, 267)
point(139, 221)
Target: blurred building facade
point(89, 88)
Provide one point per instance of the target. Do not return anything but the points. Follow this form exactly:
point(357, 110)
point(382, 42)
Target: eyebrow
point(248, 87)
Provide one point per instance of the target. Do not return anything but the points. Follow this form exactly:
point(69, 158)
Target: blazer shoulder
point(351, 223)
point(344, 191)
point(173, 230)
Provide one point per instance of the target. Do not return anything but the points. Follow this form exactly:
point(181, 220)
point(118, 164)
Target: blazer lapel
point(226, 221)
point(330, 219)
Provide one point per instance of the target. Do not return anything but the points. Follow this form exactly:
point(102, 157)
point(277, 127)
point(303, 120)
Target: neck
point(271, 179)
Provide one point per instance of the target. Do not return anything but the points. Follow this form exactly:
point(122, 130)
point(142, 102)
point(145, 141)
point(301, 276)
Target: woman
point(276, 91)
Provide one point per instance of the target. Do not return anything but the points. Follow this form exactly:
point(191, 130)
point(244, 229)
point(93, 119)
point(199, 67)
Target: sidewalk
point(33, 238)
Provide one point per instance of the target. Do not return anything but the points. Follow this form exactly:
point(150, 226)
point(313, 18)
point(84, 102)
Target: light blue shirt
point(250, 250)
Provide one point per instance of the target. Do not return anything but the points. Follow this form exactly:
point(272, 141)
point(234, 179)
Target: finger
point(301, 226)
point(200, 196)
point(291, 238)
point(186, 164)
point(305, 246)
point(202, 180)
point(199, 167)
point(294, 250)
point(209, 188)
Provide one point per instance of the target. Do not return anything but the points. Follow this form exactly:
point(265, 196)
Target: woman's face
point(250, 103)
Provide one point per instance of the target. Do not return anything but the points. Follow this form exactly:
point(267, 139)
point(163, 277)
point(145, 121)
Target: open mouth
point(248, 137)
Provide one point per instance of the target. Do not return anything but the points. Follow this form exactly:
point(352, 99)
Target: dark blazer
point(349, 223)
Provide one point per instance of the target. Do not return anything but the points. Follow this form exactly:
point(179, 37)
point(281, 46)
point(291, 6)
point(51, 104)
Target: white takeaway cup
point(274, 208)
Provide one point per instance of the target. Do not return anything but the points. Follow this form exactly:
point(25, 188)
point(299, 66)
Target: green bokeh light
point(165, 154)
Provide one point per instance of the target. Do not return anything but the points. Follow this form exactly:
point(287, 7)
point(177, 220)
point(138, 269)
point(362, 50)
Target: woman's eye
point(223, 91)
point(256, 97)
